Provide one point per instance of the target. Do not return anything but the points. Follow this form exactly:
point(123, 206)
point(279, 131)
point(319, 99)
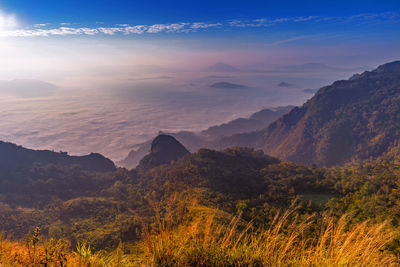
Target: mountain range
point(213, 137)
point(350, 120)
point(306, 67)
point(354, 123)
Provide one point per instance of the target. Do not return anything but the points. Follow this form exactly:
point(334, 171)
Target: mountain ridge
point(13, 156)
point(341, 122)
point(212, 137)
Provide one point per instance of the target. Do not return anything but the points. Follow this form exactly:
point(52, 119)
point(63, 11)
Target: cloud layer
point(112, 119)
point(45, 29)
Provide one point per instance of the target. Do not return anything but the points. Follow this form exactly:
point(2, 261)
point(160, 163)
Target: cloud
point(388, 17)
point(202, 25)
point(39, 25)
point(48, 32)
point(301, 19)
point(7, 22)
point(176, 27)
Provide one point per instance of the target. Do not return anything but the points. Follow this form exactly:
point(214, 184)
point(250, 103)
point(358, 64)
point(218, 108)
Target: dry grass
point(285, 243)
point(58, 253)
point(202, 240)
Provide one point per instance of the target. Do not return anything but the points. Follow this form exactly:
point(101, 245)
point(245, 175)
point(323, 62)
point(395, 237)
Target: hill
point(13, 157)
point(350, 120)
point(213, 137)
point(25, 88)
point(115, 210)
point(227, 85)
point(164, 149)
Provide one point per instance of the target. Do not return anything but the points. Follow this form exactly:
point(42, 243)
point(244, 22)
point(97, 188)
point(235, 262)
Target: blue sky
point(273, 21)
point(148, 12)
point(238, 32)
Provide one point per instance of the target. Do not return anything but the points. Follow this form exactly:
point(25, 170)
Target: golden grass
point(58, 253)
point(202, 240)
point(285, 243)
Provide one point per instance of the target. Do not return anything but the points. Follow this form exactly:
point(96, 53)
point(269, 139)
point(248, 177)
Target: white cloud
point(301, 19)
point(7, 21)
point(202, 25)
point(139, 29)
point(176, 27)
point(39, 25)
point(109, 31)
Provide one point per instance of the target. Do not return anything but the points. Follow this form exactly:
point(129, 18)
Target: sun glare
point(7, 21)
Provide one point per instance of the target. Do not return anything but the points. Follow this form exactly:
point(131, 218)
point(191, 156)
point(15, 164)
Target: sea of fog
point(111, 117)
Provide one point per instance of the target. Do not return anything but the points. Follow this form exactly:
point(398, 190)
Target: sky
point(102, 76)
point(192, 34)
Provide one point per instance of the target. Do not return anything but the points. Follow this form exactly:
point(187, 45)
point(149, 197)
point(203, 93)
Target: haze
point(101, 82)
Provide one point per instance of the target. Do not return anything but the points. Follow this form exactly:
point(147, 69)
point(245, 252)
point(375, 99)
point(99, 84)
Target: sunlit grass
point(284, 243)
point(59, 253)
point(202, 239)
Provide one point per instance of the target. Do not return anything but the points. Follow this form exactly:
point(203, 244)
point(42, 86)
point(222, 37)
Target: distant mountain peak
point(164, 149)
point(227, 85)
point(27, 88)
point(222, 67)
point(284, 84)
point(211, 137)
point(163, 142)
point(389, 67)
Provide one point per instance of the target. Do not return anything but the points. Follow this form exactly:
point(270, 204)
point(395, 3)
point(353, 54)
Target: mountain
point(309, 67)
point(164, 149)
point(221, 208)
point(350, 120)
point(212, 137)
point(227, 85)
point(284, 84)
point(222, 67)
point(26, 88)
point(353, 119)
point(13, 157)
point(310, 91)
point(317, 67)
point(256, 121)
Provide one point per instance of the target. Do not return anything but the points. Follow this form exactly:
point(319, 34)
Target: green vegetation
point(145, 214)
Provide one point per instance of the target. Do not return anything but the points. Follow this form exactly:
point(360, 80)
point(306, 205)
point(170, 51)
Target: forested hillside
point(347, 121)
point(350, 120)
point(106, 208)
